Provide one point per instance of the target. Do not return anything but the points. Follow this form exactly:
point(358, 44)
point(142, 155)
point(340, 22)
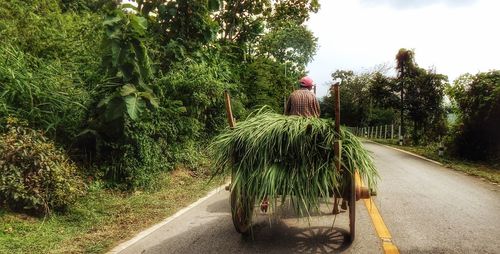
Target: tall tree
point(406, 69)
point(424, 102)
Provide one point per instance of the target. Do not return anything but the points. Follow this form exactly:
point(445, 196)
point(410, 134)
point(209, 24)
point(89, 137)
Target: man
point(303, 102)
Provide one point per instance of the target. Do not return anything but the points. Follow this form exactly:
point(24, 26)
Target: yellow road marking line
point(381, 228)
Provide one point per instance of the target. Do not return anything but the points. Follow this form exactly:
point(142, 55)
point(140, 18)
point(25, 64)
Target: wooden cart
point(352, 191)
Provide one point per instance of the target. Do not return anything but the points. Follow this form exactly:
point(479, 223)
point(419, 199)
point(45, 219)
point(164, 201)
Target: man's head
point(306, 82)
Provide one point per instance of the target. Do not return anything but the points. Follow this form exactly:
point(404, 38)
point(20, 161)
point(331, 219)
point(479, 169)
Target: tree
point(266, 83)
point(353, 105)
point(424, 103)
point(190, 24)
point(406, 69)
point(241, 21)
point(291, 44)
point(381, 91)
point(126, 61)
point(294, 11)
point(477, 101)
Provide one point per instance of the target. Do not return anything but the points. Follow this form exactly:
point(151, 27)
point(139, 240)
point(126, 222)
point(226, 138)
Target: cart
point(351, 192)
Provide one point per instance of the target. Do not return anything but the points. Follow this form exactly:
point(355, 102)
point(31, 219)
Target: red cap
point(306, 81)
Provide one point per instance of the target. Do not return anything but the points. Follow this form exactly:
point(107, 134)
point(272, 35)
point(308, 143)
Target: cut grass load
point(274, 156)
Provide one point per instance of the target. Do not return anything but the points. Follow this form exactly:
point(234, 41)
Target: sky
point(452, 36)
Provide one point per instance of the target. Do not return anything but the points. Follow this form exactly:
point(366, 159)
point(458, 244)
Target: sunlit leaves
point(135, 106)
point(291, 43)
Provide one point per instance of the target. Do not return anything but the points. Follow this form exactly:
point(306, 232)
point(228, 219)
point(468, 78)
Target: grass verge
point(103, 218)
point(486, 171)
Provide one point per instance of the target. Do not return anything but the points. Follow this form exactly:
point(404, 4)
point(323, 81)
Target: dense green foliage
point(48, 60)
point(415, 100)
point(415, 95)
point(34, 174)
point(40, 91)
point(367, 99)
point(477, 103)
point(128, 91)
point(276, 156)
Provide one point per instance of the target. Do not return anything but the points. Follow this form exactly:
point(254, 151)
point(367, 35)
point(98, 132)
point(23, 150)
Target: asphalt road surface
point(427, 209)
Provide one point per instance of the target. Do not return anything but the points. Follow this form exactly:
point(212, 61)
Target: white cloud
point(454, 40)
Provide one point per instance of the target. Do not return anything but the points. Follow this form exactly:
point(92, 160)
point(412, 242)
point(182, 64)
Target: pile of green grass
point(276, 156)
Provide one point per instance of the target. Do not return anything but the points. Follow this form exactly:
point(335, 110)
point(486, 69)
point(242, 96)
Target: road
point(427, 209)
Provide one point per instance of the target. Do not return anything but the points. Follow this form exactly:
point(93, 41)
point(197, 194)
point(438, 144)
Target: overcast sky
point(454, 36)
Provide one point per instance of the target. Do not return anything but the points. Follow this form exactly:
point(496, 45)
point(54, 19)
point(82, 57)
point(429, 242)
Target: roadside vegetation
point(464, 116)
point(106, 109)
point(103, 217)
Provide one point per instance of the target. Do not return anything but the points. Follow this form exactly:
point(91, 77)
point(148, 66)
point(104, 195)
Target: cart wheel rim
point(352, 208)
point(241, 220)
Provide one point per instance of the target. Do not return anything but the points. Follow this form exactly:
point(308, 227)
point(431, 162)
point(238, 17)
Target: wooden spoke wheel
point(241, 211)
point(352, 207)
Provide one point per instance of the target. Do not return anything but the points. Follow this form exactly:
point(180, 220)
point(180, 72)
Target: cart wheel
point(240, 206)
point(352, 207)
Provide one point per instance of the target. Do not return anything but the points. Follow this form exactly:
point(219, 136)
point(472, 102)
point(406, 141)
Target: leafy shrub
point(34, 174)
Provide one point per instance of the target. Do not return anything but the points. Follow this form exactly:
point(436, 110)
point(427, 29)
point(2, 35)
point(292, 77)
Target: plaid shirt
point(302, 102)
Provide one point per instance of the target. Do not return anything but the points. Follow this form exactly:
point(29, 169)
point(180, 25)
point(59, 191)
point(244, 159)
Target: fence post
point(385, 132)
point(400, 137)
point(380, 132)
point(441, 148)
point(392, 131)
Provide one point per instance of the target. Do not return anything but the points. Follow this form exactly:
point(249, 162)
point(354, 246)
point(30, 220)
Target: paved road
point(427, 208)
point(431, 209)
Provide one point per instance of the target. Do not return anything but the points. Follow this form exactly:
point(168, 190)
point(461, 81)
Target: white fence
point(378, 132)
point(387, 132)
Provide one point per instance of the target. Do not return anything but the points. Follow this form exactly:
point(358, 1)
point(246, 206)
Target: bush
point(34, 174)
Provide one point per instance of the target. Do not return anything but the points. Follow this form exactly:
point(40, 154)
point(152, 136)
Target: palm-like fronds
point(271, 155)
